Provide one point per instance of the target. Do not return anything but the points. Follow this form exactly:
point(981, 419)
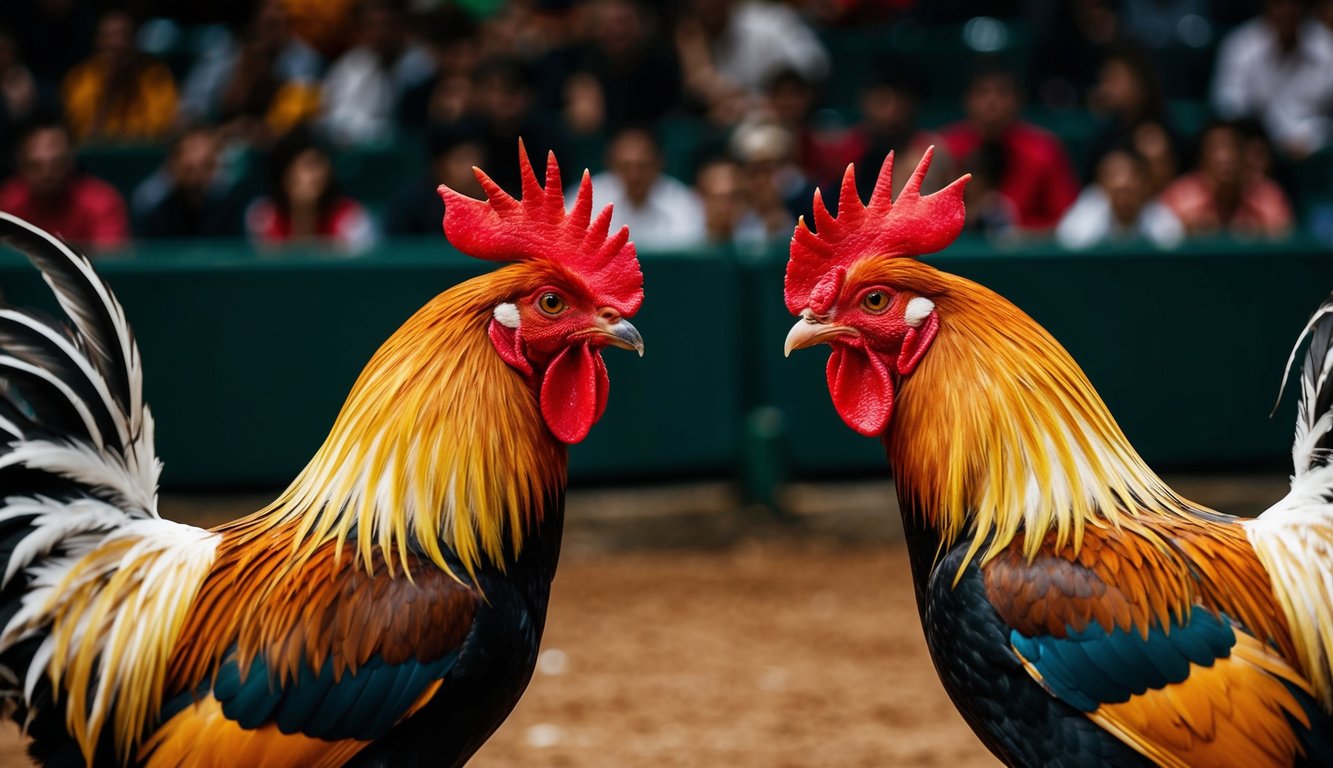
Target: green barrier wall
point(248, 356)
point(247, 359)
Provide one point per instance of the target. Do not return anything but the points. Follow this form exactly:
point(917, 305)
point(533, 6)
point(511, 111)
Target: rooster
point(1077, 609)
point(387, 608)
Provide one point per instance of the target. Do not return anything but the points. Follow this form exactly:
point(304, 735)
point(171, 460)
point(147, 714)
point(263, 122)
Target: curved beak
point(810, 330)
point(625, 336)
point(616, 331)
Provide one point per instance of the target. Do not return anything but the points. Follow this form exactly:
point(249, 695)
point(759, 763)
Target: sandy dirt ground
point(687, 632)
point(762, 656)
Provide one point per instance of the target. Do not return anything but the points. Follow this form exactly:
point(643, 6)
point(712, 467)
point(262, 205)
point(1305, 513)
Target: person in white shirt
point(730, 50)
point(662, 213)
point(1278, 68)
point(1117, 207)
point(362, 88)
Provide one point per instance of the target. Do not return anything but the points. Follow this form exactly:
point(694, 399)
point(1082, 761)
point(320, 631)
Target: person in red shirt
point(1036, 175)
point(304, 204)
point(49, 193)
point(1223, 195)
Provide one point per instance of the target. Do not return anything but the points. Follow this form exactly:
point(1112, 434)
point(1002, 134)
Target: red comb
point(501, 228)
point(910, 226)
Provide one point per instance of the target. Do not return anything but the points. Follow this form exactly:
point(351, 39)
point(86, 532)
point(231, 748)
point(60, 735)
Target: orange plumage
point(1078, 609)
point(388, 606)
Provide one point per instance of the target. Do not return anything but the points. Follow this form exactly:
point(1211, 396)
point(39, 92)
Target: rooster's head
point(570, 296)
point(846, 283)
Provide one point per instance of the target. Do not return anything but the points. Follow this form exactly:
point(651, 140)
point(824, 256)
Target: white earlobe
point(507, 315)
point(918, 309)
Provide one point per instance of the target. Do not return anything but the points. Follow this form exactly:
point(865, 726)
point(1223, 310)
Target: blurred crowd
point(703, 121)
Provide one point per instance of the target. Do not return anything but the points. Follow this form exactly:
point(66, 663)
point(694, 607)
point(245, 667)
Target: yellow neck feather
point(440, 442)
point(1000, 432)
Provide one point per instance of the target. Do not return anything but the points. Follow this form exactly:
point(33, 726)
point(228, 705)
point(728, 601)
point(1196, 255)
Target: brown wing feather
point(1128, 578)
point(321, 608)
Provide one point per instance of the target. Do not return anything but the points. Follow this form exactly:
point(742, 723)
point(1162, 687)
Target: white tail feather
point(1294, 538)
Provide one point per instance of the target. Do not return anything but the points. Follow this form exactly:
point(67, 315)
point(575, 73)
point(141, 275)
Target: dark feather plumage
point(1317, 378)
point(103, 332)
point(37, 341)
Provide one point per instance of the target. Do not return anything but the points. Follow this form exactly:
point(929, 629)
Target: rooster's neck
point(440, 448)
point(999, 435)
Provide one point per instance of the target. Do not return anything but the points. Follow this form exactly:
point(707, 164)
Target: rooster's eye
point(876, 301)
point(551, 304)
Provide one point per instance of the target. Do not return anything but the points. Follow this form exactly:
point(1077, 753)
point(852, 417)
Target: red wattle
point(574, 392)
point(915, 344)
point(510, 347)
point(862, 389)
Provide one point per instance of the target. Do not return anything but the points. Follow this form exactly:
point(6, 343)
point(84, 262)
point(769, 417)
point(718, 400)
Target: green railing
point(249, 355)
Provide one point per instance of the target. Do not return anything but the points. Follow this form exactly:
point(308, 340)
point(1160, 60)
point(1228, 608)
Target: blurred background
point(1151, 179)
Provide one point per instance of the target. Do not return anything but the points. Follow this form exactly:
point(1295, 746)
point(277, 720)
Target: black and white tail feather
point(76, 439)
point(77, 464)
point(73, 403)
point(1294, 538)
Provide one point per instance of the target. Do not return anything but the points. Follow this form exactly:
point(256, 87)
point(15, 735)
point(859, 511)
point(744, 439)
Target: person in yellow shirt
point(119, 94)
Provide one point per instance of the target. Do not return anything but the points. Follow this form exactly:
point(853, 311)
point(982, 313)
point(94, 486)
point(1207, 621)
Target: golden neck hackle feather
point(999, 432)
point(439, 443)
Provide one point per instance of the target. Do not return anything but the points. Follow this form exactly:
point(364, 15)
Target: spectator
point(1128, 97)
point(504, 112)
point(989, 212)
point(1119, 207)
point(888, 123)
point(188, 197)
point(624, 76)
point(729, 49)
point(1257, 153)
point(790, 100)
point(55, 35)
point(20, 99)
point(1221, 196)
point(1276, 68)
point(304, 204)
point(119, 94)
point(1037, 177)
point(48, 192)
point(446, 95)
point(661, 212)
point(363, 87)
point(454, 150)
point(1071, 38)
point(238, 82)
point(776, 192)
point(718, 184)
